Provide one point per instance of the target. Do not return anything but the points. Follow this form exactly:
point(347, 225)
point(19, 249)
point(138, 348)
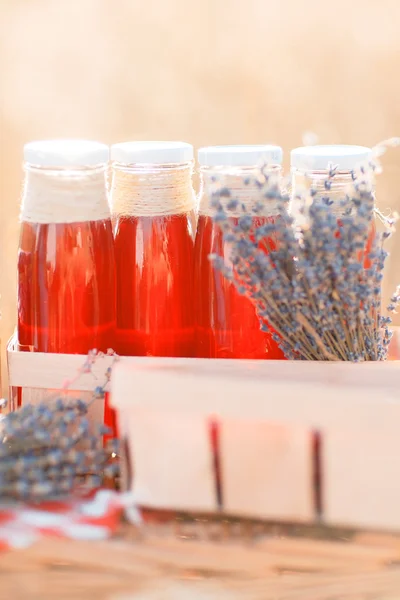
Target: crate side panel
point(50, 371)
point(266, 470)
point(364, 395)
point(171, 460)
point(361, 477)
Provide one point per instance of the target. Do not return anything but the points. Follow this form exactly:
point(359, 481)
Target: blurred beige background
point(208, 72)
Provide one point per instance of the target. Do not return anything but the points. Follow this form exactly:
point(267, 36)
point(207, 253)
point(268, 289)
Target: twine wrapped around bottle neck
point(247, 194)
point(340, 186)
point(64, 195)
point(152, 190)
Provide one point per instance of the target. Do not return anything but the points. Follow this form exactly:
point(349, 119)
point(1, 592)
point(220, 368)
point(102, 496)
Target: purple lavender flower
point(46, 449)
point(318, 288)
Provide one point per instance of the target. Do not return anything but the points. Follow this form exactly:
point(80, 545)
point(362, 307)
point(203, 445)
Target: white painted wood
point(40, 370)
point(123, 426)
point(50, 371)
point(361, 470)
point(314, 395)
point(164, 404)
point(361, 398)
point(172, 461)
point(24, 367)
point(266, 470)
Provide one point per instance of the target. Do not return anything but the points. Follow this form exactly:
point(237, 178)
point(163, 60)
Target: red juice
point(227, 325)
point(368, 245)
point(152, 202)
point(154, 262)
point(66, 287)
point(66, 264)
point(66, 290)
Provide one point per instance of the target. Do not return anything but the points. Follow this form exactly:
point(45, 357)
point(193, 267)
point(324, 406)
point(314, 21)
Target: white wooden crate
point(37, 375)
point(267, 413)
point(34, 376)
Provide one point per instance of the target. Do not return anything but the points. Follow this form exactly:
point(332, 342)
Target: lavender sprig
point(314, 285)
point(48, 450)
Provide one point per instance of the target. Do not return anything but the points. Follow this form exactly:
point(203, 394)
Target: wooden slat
point(172, 461)
point(314, 395)
point(361, 476)
point(266, 470)
point(40, 370)
point(50, 371)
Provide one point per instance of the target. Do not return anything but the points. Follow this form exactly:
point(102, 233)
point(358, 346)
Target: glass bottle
point(66, 272)
point(153, 206)
point(227, 325)
point(310, 168)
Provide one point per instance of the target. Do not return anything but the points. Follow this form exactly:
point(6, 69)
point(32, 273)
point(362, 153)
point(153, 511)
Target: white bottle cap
point(319, 158)
point(157, 153)
point(239, 156)
point(66, 153)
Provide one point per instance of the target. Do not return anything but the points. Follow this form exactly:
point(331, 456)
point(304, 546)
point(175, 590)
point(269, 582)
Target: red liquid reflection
point(154, 258)
point(368, 246)
point(227, 325)
point(66, 288)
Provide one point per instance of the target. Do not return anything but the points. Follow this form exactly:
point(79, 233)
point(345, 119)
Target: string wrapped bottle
point(227, 325)
point(153, 205)
point(327, 174)
point(66, 274)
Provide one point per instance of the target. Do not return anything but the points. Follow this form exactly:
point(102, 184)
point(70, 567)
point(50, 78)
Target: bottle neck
point(336, 188)
point(64, 195)
point(149, 190)
point(243, 184)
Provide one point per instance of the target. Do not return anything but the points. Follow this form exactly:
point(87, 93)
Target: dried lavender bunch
point(48, 451)
point(314, 287)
